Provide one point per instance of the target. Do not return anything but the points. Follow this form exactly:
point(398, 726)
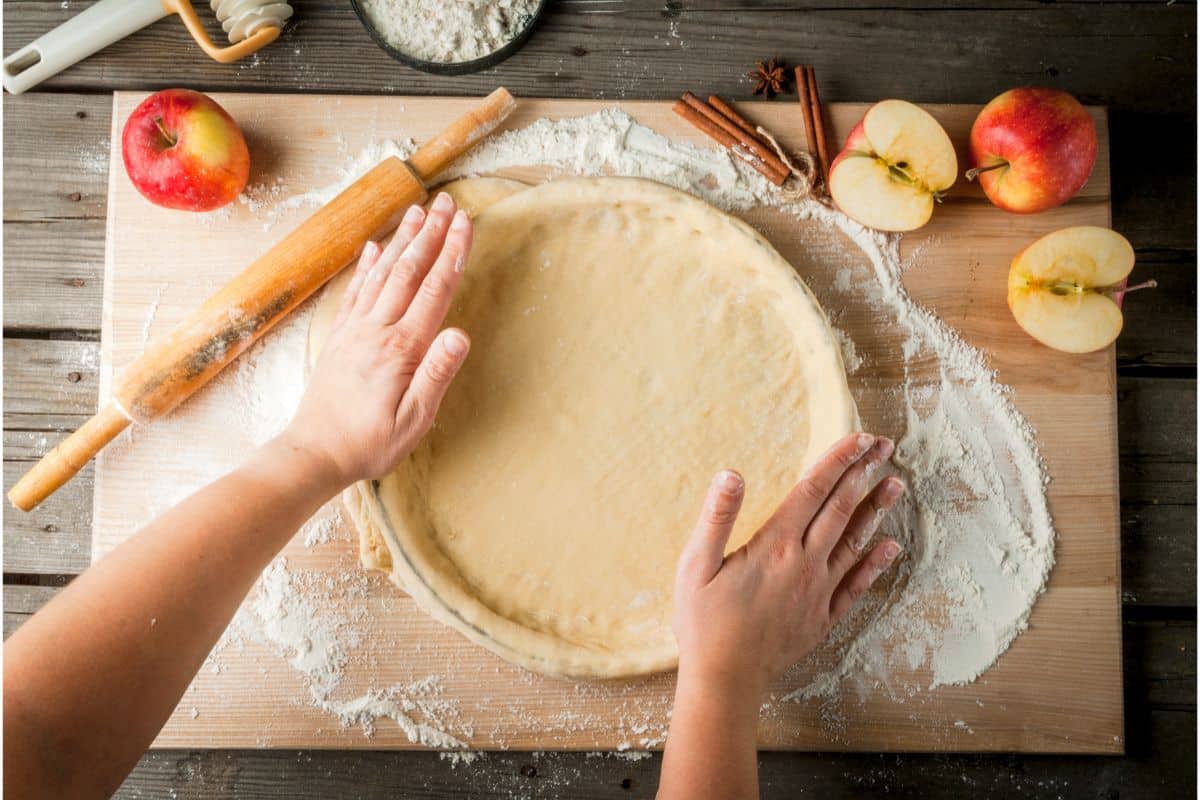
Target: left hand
point(385, 367)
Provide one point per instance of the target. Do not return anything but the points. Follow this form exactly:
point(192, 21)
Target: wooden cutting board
point(1058, 689)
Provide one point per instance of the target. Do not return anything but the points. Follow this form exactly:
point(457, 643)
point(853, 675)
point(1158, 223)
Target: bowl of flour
point(449, 37)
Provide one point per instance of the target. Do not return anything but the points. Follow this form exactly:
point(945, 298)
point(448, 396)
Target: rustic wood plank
point(1160, 331)
point(1156, 421)
point(49, 389)
point(53, 275)
point(1166, 768)
point(1160, 666)
point(55, 184)
point(1153, 203)
point(56, 537)
point(49, 377)
point(645, 50)
point(56, 151)
point(20, 602)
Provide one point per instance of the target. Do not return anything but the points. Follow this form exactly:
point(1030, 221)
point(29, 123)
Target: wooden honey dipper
point(216, 333)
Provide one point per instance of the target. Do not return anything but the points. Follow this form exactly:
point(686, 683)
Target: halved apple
point(1061, 288)
point(896, 163)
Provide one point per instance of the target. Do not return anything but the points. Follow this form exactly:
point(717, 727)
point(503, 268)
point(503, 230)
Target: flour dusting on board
point(979, 537)
point(976, 528)
point(306, 619)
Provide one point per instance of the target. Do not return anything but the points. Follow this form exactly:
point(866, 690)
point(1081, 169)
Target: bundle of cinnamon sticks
point(718, 119)
point(722, 123)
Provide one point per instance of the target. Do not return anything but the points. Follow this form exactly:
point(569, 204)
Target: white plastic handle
point(79, 37)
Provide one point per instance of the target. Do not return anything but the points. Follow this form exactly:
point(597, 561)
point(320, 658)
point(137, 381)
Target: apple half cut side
point(1061, 288)
point(896, 163)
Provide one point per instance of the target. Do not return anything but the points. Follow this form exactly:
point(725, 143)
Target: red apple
point(1032, 149)
point(1066, 288)
point(183, 151)
point(896, 163)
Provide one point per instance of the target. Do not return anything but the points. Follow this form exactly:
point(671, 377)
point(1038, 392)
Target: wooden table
point(1137, 58)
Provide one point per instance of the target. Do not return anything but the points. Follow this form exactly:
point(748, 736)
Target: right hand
point(742, 619)
point(385, 367)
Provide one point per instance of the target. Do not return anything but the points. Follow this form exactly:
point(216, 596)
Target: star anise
point(770, 76)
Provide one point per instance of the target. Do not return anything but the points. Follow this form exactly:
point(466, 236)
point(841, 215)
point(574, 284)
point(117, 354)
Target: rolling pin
point(238, 315)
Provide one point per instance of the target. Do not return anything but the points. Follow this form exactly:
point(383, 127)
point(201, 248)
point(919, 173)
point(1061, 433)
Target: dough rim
point(441, 593)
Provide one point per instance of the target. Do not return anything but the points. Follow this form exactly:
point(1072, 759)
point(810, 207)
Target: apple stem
point(166, 134)
point(973, 173)
point(1150, 284)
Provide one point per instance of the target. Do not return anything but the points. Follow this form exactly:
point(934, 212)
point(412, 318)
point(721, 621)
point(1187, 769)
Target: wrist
point(738, 690)
point(309, 465)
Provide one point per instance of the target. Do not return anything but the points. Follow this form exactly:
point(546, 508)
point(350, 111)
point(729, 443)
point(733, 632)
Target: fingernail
point(891, 550)
point(884, 447)
point(443, 202)
point(461, 220)
point(455, 343)
point(413, 215)
point(864, 441)
point(729, 481)
point(893, 489)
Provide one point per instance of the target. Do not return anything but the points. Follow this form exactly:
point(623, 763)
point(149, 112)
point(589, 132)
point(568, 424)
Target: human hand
point(385, 367)
point(743, 619)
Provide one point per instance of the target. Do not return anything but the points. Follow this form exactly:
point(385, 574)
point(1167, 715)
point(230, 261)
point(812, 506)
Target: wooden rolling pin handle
point(68, 457)
point(462, 134)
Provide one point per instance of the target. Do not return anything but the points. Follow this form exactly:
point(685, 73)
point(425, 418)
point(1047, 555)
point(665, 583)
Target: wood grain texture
point(1165, 765)
point(1157, 472)
point(53, 258)
point(53, 277)
point(1071, 655)
point(648, 49)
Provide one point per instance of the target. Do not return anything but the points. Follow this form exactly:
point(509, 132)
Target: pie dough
point(628, 341)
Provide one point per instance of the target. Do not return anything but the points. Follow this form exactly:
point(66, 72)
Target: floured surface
point(1056, 688)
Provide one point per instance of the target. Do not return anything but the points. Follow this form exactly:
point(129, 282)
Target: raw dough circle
point(628, 341)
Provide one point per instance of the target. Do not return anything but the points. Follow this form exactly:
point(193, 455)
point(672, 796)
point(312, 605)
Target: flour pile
point(449, 33)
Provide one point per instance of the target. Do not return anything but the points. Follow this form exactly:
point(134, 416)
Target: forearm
point(90, 679)
point(711, 750)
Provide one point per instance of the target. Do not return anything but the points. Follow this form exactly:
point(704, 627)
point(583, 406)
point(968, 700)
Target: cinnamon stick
point(723, 137)
point(818, 121)
point(810, 133)
point(736, 118)
point(748, 142)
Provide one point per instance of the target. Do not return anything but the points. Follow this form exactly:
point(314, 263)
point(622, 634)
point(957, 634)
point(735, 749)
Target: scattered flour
point(462, 757)
point(324, 526)
point(358, 166)
point(449, 33)
point(268, 379)
point(311, 629)
point(155, 302)
point(850, 357)
point(95, 158)
point(976, 527)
